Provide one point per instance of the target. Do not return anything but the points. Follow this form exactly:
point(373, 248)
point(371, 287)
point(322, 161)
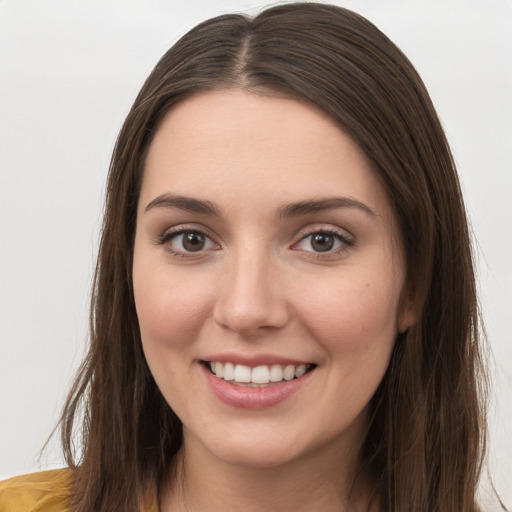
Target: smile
point(253, 377)
point(256, 386)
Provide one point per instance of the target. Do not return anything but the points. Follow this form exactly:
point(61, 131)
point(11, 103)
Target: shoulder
point(46, 491)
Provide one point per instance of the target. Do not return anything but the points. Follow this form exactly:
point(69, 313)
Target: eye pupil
point(193, 242)
point(322, 242)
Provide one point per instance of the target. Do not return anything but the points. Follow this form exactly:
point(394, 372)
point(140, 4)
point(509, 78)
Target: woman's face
point(267, 249)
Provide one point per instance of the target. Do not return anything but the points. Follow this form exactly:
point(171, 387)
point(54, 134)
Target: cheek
point(170, 315)
point(355, 314)
point(169, 308)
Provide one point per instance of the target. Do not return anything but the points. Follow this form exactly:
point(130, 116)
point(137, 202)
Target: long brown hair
point(425, 442)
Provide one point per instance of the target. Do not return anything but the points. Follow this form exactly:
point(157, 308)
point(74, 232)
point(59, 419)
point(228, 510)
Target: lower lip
point(254, 398)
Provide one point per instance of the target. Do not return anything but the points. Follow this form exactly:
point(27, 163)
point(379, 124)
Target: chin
point(251, 450)
point(256, 457)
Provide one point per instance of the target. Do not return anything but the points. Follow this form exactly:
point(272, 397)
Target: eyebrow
point(320, 205)
point(298, 209)
point(188, 204)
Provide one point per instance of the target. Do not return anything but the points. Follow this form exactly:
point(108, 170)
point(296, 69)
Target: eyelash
point(167, 237)
point(345, 242)
point(343, 239)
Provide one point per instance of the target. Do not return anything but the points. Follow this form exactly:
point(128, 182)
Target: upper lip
point(254, 360)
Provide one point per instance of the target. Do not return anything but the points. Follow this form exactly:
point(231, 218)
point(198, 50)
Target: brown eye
point(193, 241)
point(322, 242)
point(187, 242)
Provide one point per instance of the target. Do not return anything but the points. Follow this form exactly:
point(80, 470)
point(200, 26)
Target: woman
point(284, 313)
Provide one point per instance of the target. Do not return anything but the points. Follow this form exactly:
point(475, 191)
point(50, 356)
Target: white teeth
point(258, 375)
point(218, 369)
point(229, 371)
point(242, 373)
point(300, 370)
point(289, 372)
point(276, 373)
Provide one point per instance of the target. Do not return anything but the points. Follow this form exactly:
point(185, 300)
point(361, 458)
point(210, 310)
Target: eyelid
point(347, 239)
point(311, 229)
point(174, 231)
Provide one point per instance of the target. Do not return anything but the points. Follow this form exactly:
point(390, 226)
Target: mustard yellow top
point(46, 491)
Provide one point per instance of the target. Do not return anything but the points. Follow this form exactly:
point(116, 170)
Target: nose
point(250, 296)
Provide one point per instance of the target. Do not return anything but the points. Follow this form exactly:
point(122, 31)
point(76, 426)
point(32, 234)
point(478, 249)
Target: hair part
point(425, 441)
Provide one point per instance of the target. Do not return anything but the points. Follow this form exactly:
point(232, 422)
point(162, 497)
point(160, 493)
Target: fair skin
point(265, 239)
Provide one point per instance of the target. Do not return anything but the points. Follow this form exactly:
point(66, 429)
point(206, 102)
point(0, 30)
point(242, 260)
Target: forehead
point(236, 145)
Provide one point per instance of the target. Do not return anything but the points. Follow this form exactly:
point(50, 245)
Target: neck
point(326, 480)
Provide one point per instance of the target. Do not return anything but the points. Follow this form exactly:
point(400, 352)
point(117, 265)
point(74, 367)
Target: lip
point(254, 360)
point(245, 397)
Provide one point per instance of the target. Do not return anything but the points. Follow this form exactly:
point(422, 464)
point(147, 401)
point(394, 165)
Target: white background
point(69, 71)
